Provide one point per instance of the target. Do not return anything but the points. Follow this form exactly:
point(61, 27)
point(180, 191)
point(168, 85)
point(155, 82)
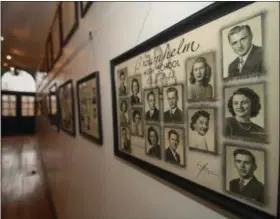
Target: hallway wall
point(88, 181)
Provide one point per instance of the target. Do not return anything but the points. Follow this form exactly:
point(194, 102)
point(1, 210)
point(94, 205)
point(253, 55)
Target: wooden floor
point(24, 190)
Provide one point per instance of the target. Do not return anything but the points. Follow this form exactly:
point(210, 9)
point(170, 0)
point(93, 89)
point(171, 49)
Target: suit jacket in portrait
point(127, 145)
point(122, 90)
point(154, 117)
point(252, 65)
point(170, 158)
point(134, 100)
point(254, 189)
point(155, 151)
point(177, 116)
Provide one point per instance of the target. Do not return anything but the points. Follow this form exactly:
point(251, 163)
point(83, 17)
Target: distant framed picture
point(89, 108)
point(70, 20)
point(56, 36)
point(67, 109)
point(85, 6)
point(53, 103)
point(49, 58)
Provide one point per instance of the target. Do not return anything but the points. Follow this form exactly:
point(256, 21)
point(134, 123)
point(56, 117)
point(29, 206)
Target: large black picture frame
point(94, 75)
point(49, 53)
point(57, 20)
point(73, 120)
point(208, 14)
point(67, 36)
point(54, 118)
point(85, 6)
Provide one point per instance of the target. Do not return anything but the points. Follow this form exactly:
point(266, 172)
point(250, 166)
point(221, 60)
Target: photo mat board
point(89, 107)
point(231, 77)
point(67, 109)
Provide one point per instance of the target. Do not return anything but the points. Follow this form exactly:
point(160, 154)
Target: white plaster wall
point(88, 181)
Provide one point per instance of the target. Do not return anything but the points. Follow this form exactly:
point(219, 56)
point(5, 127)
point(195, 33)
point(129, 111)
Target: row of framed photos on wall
point(59, 107)
point(65, 24)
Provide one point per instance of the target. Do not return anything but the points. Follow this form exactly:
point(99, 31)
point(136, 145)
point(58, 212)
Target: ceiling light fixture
point(9, 57)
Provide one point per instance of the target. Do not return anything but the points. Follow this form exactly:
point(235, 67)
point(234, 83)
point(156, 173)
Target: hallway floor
point(24, 190)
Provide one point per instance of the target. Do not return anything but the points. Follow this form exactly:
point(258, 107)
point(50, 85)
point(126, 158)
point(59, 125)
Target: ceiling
point(25, 26)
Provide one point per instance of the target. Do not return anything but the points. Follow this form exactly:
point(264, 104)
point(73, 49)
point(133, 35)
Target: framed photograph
point(198, 106)
point(49, 53)
point(202, 129)
point(242, 44)
point(56, 36)
point(89, 108)
point(245, 112)
point(152, 105)
point(173, 104)
point(70, 20)
point(201, 74)
point(85, 6)
point(153, 142)
point(67, 109)
point(53, 103)
point(245, 173)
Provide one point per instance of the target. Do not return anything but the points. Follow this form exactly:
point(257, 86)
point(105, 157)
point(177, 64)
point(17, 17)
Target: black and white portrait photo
point(122, 74)
point(153, 141)
point(137, 122)
point(200, 77)
point(123, 112)
point(242, 48)
point(173, 104)
point(174, 146)
point(245, 112)
point(135, 90)
point(125, 143)
point(202, 129)
point(152, 112)
point(245, 173)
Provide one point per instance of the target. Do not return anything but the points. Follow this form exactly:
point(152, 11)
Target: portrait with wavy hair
point(244, 104)
point(199, 77)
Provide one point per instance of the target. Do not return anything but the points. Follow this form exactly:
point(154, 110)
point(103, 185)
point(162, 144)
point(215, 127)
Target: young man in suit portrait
point(247, 185)
point(173, 114)
point(153, 113)
point(122, 88)
point(249, 56)
point(170, 153)
point(125, 141)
